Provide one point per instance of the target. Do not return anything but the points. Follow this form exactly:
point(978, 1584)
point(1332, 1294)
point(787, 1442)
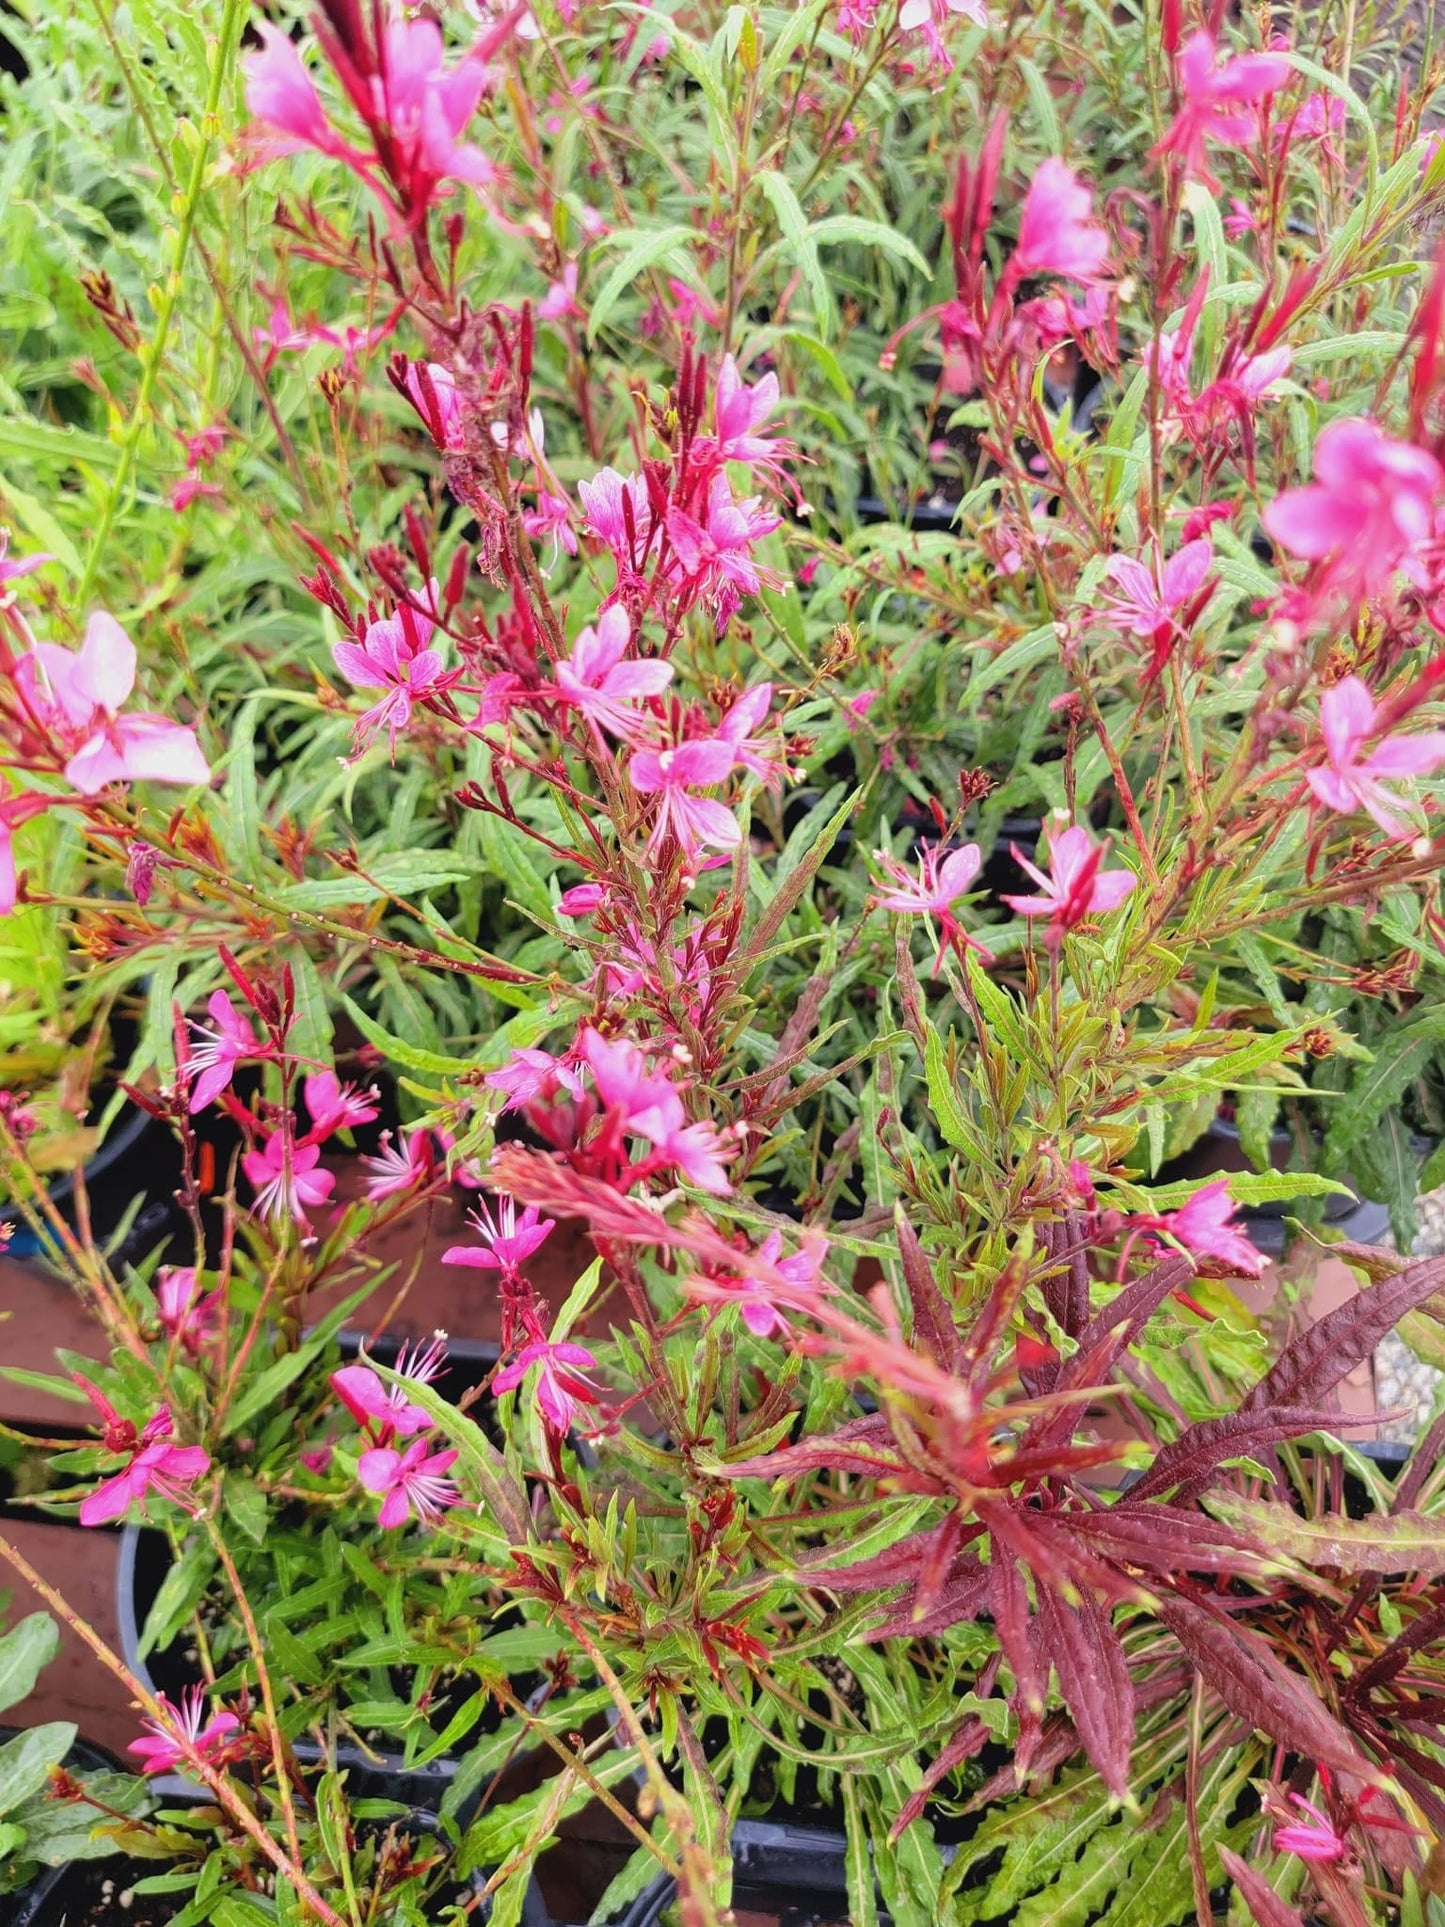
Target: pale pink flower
point(334, 1106)
point(155, 1466)
point(15, 571)
point(617, 512)
point(1215, 99)
point(802, 1273)
point(413, 1481)
point(394, 657)
point(1352, 781)
point(434, 394)
point(561, 1384)
point(1318, 1841)
point(507, 1240)
point(14, 810)
point(740, 411)
point(560, 303)
point(190, 1319)
point(697, 822)
point(77, 696)
point(751, 752)
point(1077, 886)
point(941, 881)
point(1057, 230)
point(183, 1734)
point(285, 1177)
point(279, 334)
point(552, 516)
point(1370, 504)
point(605, 687)
point(929, 17)
point(401, 1164)
point(1152, 606)
point(217, 1048)
point(715, 556)
point(384, 1410)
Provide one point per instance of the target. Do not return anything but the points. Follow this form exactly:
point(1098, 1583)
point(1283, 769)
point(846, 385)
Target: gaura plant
point(904, 1449)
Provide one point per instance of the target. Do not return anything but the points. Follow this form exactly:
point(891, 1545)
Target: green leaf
point(246, 1505)
point(1398, 1060)
point(29, 1646)
point(268, 1385)
point(180, 1593)
point(942, 1097)
point(794, 223)
point(1384, 1543)
point(639, 249)
point(513, 857)
point(25, 1761)
point(871, 234)
point(478, 1456)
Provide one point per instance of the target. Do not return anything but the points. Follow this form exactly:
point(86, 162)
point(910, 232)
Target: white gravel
point(1402, 1379)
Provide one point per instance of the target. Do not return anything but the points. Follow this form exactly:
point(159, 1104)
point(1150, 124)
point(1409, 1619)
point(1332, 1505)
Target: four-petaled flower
point(1152, 606)
point(801, 1278)
point(400, 1164)
point(334, 1106)
point(217, 1048)
point(941, 881)
point(413, 1481)
point(1351, 780)
point(508, 1241)
point(1077, 886)
point(156, 1465)
point(697, 822)
point(1371, 503)
point(384, 1411)
point(285, 1177)
point(928, 17)
point(184, 1315)
point(740, 411)
point(1215, 101)
point(602, 685)
point(393, 656)
point(561, 1382)
point(1205, 1225)
point(184, 1735)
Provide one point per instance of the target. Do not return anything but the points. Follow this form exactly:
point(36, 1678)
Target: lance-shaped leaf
point(1257, 1894)
point(898, 1565)
point(1196, 1455)
point(1318, 1359)
point(965, 1743)
point(1158, 1538)
point(862, 1445)
point(1398, 1542)
point(963, 1596)
point(1094, 1679)
point(933, 1325)
point(1257, 1688)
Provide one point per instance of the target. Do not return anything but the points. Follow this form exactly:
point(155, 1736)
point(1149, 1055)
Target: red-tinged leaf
point(1137, 1303)
point(966, 1742)
point(1257, 1894)
point(863, 1445)
point(1425, 1631)
point(1158, 1539)
point(1257, 1688)
point(995, 1316)
point(1423, 1461)
point(900, 1565)
point(1318, 1359)
point(1009, 1599)
point(1094, 1679)
point(1195, 1456)
point(963, 1596)
point(1398, 1542)
point(1046, 1543)
point(933, 1326)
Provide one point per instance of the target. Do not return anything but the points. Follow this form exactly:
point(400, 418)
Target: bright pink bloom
point(697, 822)
point(433, 392)
point(1370, 504)
point(940, 883)
point(1351, 781)
point(410, 1481)
point(190, 1319)
point(215, 1053)
point(740, 411)
point(582, 900)
point(715, 555)
point(279, 334)
point(647, 1104)
point(531, 1074)
point(282, 96)
point(334, 1106)
point(184, 1735)
point(1311, 1842)
point(736, 728)
point(188, 488)
point(77, 696)
point(1057, 230)
point(507, 1240)
point(400, 1164)
point(1157, 610)
point(552, 516)
point(561, 1384)
point(617, 512)
point(1215, 99)
point(1206, 1226)
point(802, 1273)
point(285, 1177)
point(385, 1411)
point(560, 301)
point(155, 1466)
point(393, 657)
point(1077, 886)
point(604, 687)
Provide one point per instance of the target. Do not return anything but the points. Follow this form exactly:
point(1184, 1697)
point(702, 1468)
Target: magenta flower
point(384, 1411)
point(802, 1273)
point(531, 1074)
point(1215, 99)
point(1159, 610)
point(15, 571)
point(1057, 230)
point(940, 883)
point(14, 810)
point(740, 411)
point(334, 1106)
point(582, 900)
point(715, 555)
point(1318, 1842)
point(604, 687)
point(216, 1049)
point(432, 391)
point(184, 1735)
point(561, 1384)
point(560, 303)
point(400, 1164)
point(77, 697)
point(413, 1481)
point(1371, 502)
point(1206, 1227)
point(185, 1316)
point(1351, 781)
point(285, 1177)
point(282, 96)
point(507, 1240)
point(617, 512)
point(646, 1104)
point(697, 822)
point(551, 517)
point(1077, 886)
point(751, 752)
point(394, 657)
point(155, 1466)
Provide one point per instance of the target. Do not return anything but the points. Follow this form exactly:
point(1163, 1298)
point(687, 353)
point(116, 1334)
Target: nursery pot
point(42, 1903)
point(139, 1155)
point(793, 1876)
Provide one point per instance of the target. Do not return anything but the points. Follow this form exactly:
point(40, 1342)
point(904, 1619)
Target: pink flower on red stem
point(393, 656)
point(282, 96)
point(1158, 610)
point(1057, 230)
point(801, 1273)
point(413, 1481)
point(216, 1049)
point(1215, 100)
point(736, 728)
point(433, 392)
point(334, 1106)
point(646, 1104)
point(186, 1317)
point(740, 411)
point(77, 697)
point(552, 516)
point(1370, 504)
point(1352, 781)
point(1077, 885)
point(507, 1240)
point(1318, 1841)
point(714, 556)
point(400, 1164)
point(531, 1074)
point(561, 1382)
point(560, 303)
point(582, 900)
point(384, 1411)
point(929, 17)
point(285, 1177)
point(184, 1735)
point(155, 1466)
point(602, 685)
point(1206, 1227)
point(942, 880)
point(697, 822)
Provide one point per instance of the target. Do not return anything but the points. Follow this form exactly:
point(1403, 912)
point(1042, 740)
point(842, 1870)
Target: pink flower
point(604, 687)
point(697, 822)
point(1317, 1842)
point(285, 1177)
point(1077, 886)
point(1206, 1227)
point(736, 728)
point(1350, 781)
point(155, 1466)
point(186, 490)
point(560, 301)
point(929, 16)
point(740, 411)
point(582, 900)
point(940, 883)
point(433, 392)
point(1214, 98)
point(179, 1738)
point(617, 512)
point(646, 1104)
point(17, 570)
point(215, 1053)
point(552, 516)
point(714, 556)
point(282, 96)
point(531, 1074)
point(802, 1273)
point(1057, 231)
point(1370, 504)
point(400, 1164)
point(561, 1385)
point(334, 1106)
point(409, 1482)
point(385, 1411)
point(1162, 610)
point(14, 810)
point(394, 657)
point(191, 1320)
point(507, 1240)
point(77, 695)
point(279, 334)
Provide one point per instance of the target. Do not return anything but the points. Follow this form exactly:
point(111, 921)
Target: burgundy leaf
point(862, 1445)
point(966, 1742)
point(1257, 1688)
point(1157, 1538)
point(899, 1565)
point(1194, 1457)
point(1138, 1301)
point(1094, 1679)
point(963, 1596)
point(1257, 1894)
point(933, 1326)
point(1318, 1359)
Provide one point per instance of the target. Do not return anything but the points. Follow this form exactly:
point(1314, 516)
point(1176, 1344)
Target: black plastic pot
point(791, 1874)
point(40, 1905)
point(139, 1155)
point(1219, 1153)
